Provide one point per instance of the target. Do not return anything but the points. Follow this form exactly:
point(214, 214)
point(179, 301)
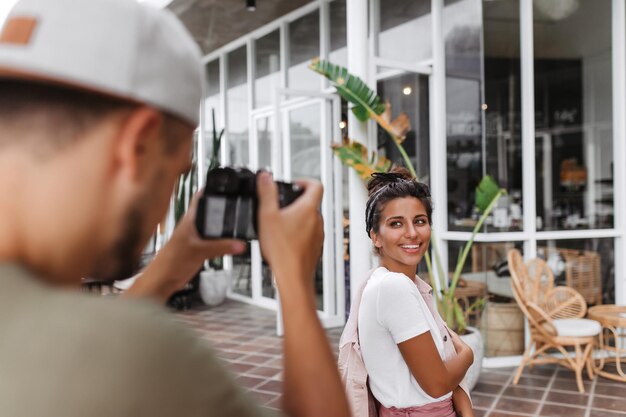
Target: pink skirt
point(439, 409)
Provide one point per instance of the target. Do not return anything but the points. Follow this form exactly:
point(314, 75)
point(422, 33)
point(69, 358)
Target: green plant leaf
point(486, 192)
point(459, 317)
point(365, 101)
point(355, 155)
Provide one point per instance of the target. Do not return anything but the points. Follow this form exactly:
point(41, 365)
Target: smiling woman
point(413, 362)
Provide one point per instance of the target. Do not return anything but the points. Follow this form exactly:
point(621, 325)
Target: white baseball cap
point(119, 48)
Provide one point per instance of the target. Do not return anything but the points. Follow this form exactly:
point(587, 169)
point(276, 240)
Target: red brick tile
point(271, 386)
point(511, 405)
point(249, 381)
point(264, 371)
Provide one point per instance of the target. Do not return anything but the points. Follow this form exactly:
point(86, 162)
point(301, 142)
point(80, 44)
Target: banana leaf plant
point(187, 185)
point(367, 104)
point(487, 195)
point(214, 161)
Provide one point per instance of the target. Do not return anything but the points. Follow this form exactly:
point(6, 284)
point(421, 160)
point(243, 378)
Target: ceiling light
point(407, 90)
point(251, 5)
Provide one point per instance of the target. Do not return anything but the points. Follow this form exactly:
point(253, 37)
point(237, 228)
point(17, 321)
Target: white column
point(438, 180)
point(619, 146)
point(358, 61)
point(528, 125)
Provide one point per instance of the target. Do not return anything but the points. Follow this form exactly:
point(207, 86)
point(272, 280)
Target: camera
point(228, 206)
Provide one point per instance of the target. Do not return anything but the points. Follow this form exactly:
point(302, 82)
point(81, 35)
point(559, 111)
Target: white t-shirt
point(392, 311)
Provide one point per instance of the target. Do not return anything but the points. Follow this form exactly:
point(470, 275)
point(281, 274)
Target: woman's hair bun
point(380, 179)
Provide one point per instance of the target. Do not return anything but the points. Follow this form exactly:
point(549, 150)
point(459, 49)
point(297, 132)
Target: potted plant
point(214, 279)
point(367, 104)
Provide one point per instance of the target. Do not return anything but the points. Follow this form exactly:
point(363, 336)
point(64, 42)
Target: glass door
point(307, 125)
point(262, 151)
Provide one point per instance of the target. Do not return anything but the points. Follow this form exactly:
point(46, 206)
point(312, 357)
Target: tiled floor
point(244, 337)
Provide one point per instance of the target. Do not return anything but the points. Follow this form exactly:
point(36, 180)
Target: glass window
point(338, 40)
point(408, 93)
point(405, 30)
point(586, 265)
point(465, 162)
point(237, 103)
point(265, 129)
point(267, 76)
point(304, 138)
point(242, 275)
point(573, 115)
point(486, 275)
point(211, 104)
point(304, 45)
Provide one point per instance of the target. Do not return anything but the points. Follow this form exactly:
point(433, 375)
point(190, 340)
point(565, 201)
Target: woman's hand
point(462, 349)
point(462, 403)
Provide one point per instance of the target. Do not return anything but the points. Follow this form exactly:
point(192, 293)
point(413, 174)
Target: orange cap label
point(18, 30)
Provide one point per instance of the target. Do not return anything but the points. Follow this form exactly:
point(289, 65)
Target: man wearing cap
point(98, 102)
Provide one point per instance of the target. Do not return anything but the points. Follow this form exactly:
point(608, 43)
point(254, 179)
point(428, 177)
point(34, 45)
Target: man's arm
point(178, 261)
point(291, 242)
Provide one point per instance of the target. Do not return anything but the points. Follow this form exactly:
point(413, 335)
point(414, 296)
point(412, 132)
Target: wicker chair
point(555, 319)
point(582, 272)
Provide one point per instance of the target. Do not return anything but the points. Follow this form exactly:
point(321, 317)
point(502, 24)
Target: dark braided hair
point(387, 186)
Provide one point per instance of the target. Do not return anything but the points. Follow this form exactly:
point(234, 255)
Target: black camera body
point(228, 206)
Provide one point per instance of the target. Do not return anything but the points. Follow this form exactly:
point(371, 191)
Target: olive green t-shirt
point(67, 354)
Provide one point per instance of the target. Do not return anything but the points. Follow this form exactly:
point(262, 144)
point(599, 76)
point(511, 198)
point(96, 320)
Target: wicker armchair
point(555, 319)
point(582, 272)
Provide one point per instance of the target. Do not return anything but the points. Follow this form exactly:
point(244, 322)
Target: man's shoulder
point(114, 354)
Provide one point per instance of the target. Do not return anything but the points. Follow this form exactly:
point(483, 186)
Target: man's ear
point(138, 140)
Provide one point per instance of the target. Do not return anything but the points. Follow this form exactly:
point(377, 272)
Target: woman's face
point(403, 235)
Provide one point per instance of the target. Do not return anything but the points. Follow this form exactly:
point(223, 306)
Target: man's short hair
point(49, 118)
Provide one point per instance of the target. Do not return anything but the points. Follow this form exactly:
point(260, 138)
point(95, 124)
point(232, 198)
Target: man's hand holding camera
point(181, 258)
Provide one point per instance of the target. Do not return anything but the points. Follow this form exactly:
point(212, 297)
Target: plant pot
point(213, 286)
point(475, 341)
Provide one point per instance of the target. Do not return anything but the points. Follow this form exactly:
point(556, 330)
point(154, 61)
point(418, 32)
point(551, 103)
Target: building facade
point(531, 93)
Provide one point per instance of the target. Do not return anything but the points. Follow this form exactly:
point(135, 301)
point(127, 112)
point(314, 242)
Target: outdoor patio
point(244, 337)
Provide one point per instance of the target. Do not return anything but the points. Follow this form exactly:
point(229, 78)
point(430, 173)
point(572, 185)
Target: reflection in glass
point(304, 134)
point(573, 108)
point(502, 110)
point(211, 102)
point(242, 275)
point(408, 93)
point(486, 275)
point(237, 104)
point(462, 31)
point(267, 67)
point(405, 30)
point(586, 265)
point(304, 45)
point(264, 129)
point(267, 282)
point(338, 40)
